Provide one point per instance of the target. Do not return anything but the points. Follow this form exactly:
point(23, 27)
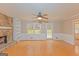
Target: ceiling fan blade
point(44, 17)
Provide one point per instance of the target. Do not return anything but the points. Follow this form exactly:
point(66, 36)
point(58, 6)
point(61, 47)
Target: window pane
point(37, 31)
point(30, 31)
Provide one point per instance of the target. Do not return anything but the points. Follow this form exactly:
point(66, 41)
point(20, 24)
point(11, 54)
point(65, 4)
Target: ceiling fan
point(41, 17)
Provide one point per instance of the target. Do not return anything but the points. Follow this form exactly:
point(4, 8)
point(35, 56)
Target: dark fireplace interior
point(3, 39)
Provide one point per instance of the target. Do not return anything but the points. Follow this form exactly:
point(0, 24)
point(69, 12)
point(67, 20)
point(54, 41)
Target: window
point(34, 29)
point(40, 29)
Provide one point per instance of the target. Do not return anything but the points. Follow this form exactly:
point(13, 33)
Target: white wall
point(62, 30)
point(20, 31)
point(57, 26)
point(68, 30)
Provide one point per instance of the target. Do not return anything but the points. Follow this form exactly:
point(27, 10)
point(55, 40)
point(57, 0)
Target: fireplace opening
point(3, 39)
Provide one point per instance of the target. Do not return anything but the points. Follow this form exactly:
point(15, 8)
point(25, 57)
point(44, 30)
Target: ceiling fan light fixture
point(39, 18)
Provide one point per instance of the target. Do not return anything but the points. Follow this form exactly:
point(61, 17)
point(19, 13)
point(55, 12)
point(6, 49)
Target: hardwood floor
point(42, 48)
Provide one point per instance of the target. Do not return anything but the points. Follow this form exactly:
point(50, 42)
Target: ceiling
point(55, 11)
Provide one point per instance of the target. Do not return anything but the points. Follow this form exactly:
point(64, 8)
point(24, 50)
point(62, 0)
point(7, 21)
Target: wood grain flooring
point(42, 48)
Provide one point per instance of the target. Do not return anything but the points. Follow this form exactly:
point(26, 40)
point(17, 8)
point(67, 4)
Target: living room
point(41, 29)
